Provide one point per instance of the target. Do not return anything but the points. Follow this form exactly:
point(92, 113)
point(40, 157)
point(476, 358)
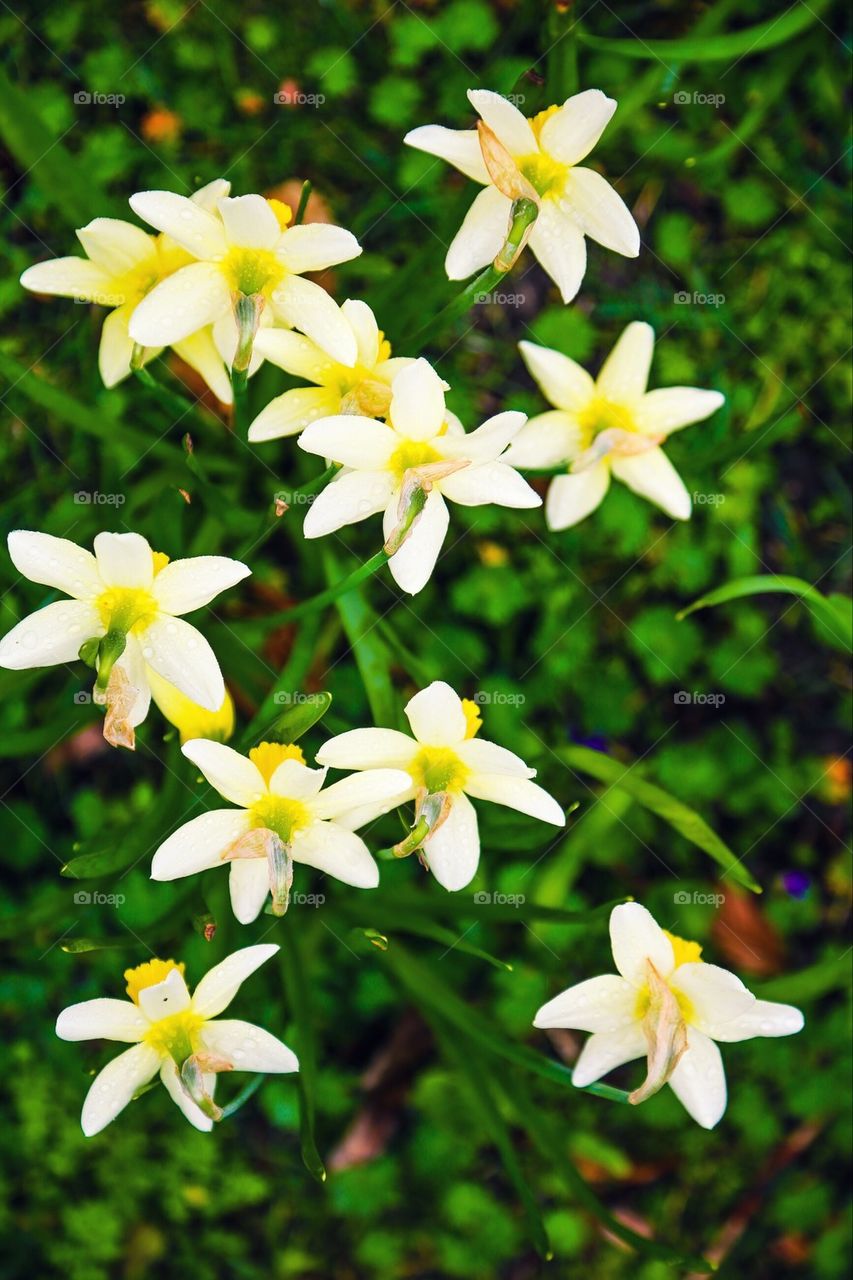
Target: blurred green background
point(571, 640)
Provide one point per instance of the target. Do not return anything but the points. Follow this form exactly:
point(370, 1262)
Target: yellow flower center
point(602, 415)
point(283, 816)
point(132, 286)
point(160, 561)
point(175, 1035)
point(283, 213)
point(252, 270)
point(149, 974)
point(130, 608)
point(644, 1000)
point(685, 951)
point(473, 719)
point(267, 756)
point(438, 769)
point(537, 121)
point(412, 453)
point(546, 175)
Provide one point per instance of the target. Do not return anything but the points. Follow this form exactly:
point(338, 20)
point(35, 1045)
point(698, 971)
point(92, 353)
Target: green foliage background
point(573, 636)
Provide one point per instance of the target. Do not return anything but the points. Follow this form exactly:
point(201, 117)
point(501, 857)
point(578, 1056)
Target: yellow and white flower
point(176, 1034)
point(285, 815)
point(421, 450)
point(538, 158)
point(447, 762)
point(126, 609)
point(123, 264)
point(609, 426)
point(190, 719)
point(363, 388)
point(244, 251)
point(668, 1006)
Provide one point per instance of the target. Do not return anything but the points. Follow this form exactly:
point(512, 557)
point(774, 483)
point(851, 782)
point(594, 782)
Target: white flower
point(512, 156)
point(446, 760)
point(126, 604)
point(667, 1006)
point(421, 448)
point(175, 1033)
point(364, 388)
point(284, 816)
point(246, 250)
point(123, 264)
point(612, 425)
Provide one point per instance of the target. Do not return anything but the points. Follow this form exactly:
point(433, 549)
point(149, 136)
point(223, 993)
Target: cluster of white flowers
point(222, 283)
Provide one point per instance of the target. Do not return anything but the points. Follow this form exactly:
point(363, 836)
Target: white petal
point(180, 654)
point(201, 233)
point(315, 246)
point(186, 301)
point(636, 937)
point(487, 757)
point(118, 247)
point(200, 352)
point(368, 749)
point(382, 786)
point(116, 346)
point(250, 1048)
point(199, 844)
point(437, 716)
point(600, 212)
point(165, 998)
point(340, 853)
point(306, 306)
point(234, 776)
point(562, 381)
point(762, 1018)
point(357, 442)
point(172, 1083)
point(296, 781)
point(652, 476)
point(249, 886)
point(489, 482)
point(608, 1003)
point(102, 1020)
point(249, 222)
point(51, 635)
point(571, 498)
point(715, 995)
point(412, 566)
point(606, 1050)
point(208, 196)
point(291, 412)
point(453, 852)
point(294, 353)
point(572, 132)
point(489, 441)
point(505, 120)
point(220, 985)
point(548, 440)
point(70, 278)
point(459, 147)
point(348, 499)
point(184, 585)
point(363, 324)
point(417, 401)
point(625, 372)
point(55, 562)
point(481, 236)
point(113, 1088)
point(671, 408)
point(699, 1081)
point(124, 560)
point(516, 793)
point(559, 246)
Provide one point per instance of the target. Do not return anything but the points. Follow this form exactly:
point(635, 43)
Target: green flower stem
point(358, 575)
point(171, 400)
point(304, 197)
point(240, 391)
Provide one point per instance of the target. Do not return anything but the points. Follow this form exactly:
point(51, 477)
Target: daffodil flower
point(610, 426)
point(190, 719)
point(668, 1006)
point(176, 1034)
point(408, 467)
point(125, 615)
point(245, 259)
point(540, 159)
point(123, 264)
point(285, 816)
point(447, 763)
point(364, 388)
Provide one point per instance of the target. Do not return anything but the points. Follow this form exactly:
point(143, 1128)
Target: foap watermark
point(94, 498)
point(283, 499)
point(291, 97)
point(685, 299)
point(296, 699)
point(496, 298)
point(709, 499)
point(85, 898)
point(83, 98)
point(82, 698)
point(687, 697)
point(307, 899)
point(483, 699)
point(110, 300)
point(685, 97)
point(484, 899)
point(684, 899)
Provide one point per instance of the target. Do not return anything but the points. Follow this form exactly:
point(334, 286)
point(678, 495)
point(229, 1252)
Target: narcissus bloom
point(285, 816)
point(176, 1034)
point(408, 466)
point(123, 264)
point(447, 764)
point(246, 258)
point(125, 617)
point(609, 426)
point(364, 388)
point(668, 1006)
point(539, 159)
point(190, 719)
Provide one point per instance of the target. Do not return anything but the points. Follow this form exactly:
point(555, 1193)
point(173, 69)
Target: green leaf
point(305, 711)
point(294, 970)
point(371, 655)
point(76, 946)
point(101, 862)
point(834, 613)
point(833, 974)
point(679, 815)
